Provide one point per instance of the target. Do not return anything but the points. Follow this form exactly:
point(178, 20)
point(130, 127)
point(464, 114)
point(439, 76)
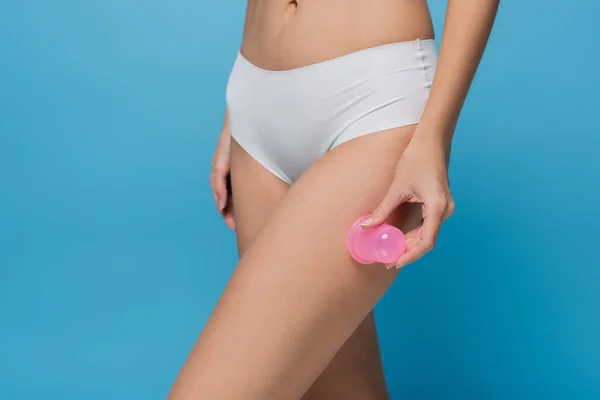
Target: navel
point(290, 10)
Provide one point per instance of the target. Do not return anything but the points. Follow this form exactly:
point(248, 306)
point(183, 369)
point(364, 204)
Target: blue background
point(112, 255)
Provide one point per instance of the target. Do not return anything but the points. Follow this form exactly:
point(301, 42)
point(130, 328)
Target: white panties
point(288, 119)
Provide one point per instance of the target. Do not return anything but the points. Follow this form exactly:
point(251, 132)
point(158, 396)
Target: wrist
point(431, 135)
point(434, 143)
point(436, 127)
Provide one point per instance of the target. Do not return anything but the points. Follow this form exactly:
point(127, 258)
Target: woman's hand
point(219, 177)
point(421, 176)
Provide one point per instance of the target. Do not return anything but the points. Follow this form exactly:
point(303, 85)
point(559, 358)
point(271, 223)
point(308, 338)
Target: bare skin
point(295, 321)
point(356, 371)
point(287, 311)
point(282, 34)
point(359, 360)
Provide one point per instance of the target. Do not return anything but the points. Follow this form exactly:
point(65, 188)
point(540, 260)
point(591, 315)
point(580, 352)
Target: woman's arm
point(466, 31)
point(421, 175)
point(219, 173)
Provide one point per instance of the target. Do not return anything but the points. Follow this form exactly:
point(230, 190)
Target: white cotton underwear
point(287, 119)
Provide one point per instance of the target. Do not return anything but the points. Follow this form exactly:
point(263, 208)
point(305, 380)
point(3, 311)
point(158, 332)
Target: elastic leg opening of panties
point(263, 161)
point(383, 128)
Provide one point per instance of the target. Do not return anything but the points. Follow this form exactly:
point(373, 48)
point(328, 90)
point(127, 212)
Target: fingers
point(390, 202)
point(449, 209)
point(436, 209)
point(229, 220)
point(220, 169)
point(221, 189)
point(218, 183)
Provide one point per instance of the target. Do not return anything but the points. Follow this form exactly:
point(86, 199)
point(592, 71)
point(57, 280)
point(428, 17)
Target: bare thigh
point(296, 296)
point(356, 371)
point(255, 192)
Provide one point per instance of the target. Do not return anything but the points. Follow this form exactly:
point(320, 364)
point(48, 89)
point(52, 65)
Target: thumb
point(389, 203)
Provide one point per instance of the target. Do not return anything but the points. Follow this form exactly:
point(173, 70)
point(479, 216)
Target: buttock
point(287, 119)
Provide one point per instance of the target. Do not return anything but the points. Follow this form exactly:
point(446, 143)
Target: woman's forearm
point(467, 28)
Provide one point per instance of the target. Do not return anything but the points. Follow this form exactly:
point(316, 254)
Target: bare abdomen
point(281, 35)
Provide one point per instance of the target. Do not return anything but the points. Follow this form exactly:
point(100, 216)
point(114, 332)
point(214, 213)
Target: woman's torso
point(281, 35)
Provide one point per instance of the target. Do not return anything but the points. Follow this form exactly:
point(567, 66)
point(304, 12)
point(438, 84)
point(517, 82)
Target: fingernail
point(389, 266)
point(221, 205)
point(366, 222)
point(398, 266)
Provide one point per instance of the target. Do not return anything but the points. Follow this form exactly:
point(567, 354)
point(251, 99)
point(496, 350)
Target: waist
point(398, 74)
point(281, 35)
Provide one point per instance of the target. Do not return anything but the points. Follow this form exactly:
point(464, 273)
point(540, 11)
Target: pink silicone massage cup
point(383, 243)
